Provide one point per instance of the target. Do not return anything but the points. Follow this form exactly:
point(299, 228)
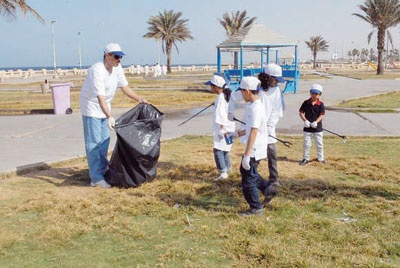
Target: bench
point(291, 77)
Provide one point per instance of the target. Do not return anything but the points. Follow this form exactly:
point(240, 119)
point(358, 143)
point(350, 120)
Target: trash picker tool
point(196, 114)
point(344, 138)
point(286, 143)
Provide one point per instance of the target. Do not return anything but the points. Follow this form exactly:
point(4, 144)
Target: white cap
point(275, 71)
point(250, 82)
point(114, 48)
point(316, 88)
point(216, 80)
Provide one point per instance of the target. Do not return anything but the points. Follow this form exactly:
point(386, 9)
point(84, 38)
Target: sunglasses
point(117, 57)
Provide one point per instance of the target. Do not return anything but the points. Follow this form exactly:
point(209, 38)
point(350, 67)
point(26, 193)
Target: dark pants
point(251, 183)
point(272, 163)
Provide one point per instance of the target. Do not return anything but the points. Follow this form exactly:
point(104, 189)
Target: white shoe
point(102, 184)
point(222, 176)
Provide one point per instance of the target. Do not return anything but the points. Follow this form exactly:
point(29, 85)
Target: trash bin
point(61, 98)
point(44, 87)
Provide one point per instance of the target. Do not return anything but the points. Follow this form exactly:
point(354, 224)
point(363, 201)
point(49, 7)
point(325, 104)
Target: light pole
point(54, 46)
point(79, 49)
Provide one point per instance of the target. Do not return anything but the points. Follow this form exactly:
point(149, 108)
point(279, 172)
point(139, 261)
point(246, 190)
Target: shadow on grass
point(222, 196)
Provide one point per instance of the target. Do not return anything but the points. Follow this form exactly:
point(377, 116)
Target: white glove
point(246, 162)
point(307, 123)
point(111, 123)
point(231, 116)
point(221, 133)
point(314, 124)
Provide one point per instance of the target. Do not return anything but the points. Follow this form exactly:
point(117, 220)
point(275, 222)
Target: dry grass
point(341, 214)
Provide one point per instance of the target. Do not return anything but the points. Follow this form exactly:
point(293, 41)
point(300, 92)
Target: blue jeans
point(251, 183)
point(222, 160)
point(97, 140)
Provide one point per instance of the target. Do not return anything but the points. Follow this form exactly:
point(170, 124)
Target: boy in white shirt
point(221, 126)
point(256, 134)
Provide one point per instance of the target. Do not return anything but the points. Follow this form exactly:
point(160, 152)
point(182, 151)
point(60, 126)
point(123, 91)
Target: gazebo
point(261, 39)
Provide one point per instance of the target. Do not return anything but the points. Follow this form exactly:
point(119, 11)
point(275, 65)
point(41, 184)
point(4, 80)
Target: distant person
point(164, 71)
point(256, 134)
point(312, 112)
point(97, 92)
point(146, 70)
point(132, 69)
point(138, 69)
point(221, 126)
point(271, 97)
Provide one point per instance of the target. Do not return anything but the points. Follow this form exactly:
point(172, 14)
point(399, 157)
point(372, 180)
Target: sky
point(27, 42)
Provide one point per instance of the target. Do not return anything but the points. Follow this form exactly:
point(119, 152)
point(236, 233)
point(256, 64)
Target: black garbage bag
point(137, 149)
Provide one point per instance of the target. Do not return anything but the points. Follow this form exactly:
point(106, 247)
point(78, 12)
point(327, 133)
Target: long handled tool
point(286, 143)
point(344, 138)
point(196, 114)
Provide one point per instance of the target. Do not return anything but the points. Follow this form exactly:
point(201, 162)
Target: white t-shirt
point(99, 82)
point(221, 118)
point(255, 118)
point(272, 101)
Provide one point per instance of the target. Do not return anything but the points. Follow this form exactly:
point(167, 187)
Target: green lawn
point(345, 213)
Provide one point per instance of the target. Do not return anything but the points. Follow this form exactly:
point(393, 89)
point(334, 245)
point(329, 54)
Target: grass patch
point(364, 74)
point(341, 214)
point(381, 103)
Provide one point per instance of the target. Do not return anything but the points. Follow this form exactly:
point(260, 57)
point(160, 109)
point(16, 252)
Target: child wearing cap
point(221, 126)
point(271, 97)
point(256, 145)
point(312, 112)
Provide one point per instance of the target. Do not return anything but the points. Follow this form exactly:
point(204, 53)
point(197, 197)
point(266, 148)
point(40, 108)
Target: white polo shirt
point(255, 117)
point(272, 101)
point(99, 82)
point(221, 118)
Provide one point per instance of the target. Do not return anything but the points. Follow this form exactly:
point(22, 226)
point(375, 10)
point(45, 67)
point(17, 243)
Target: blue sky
point(26, 42)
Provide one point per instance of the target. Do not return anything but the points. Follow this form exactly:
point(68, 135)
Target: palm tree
point(169, 28)
point(316, 44)
point(381, 14)
point(9, 8)
point(233, 24)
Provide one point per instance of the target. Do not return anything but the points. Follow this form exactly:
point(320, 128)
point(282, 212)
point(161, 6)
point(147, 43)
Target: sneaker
point(251, 212)
point(303, 162)
point(270, 192)
point(102, 184)
point(222, 176)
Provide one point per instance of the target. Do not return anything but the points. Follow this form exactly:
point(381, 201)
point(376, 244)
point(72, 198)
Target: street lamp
point(79, 50)
point(54, 46)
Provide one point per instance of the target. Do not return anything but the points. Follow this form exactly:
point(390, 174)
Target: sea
point(38, 68)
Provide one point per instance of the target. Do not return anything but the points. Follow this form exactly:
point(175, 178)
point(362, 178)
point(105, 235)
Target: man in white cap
point(271, 98)
point(312, 112)
point(97, 92)
point(256, 145)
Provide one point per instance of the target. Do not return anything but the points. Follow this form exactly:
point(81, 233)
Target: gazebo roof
point(256, 36)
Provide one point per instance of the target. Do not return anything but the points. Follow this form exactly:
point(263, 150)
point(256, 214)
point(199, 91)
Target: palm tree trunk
point(314, 59)
point(380, 47)
point(168, 49)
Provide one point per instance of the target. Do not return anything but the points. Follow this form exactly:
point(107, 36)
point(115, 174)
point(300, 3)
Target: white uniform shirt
point(221, 118)
point(272, 101)
point(99, 82)
point(255, 118)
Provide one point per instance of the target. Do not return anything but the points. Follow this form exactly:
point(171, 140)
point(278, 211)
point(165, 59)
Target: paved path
point(31, 140)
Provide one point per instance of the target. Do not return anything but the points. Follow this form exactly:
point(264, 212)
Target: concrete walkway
point(33, 140)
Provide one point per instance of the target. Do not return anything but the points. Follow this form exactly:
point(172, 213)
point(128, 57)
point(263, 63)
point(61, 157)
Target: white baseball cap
point(316, 88)
point(114, 48)
point(275, 71)
point(250, 82)
point(216, 80)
